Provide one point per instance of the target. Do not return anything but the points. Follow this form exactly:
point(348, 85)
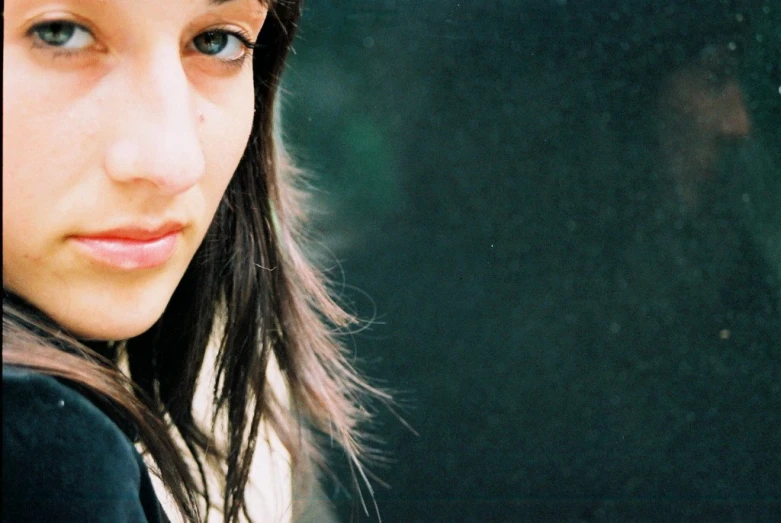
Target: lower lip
point(126, 254)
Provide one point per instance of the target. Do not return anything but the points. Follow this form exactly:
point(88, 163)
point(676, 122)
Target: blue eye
point(224, 45)
point(69, 38)
point(63, 35)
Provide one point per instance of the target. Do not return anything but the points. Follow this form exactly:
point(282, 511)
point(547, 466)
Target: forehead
point(163, 15)
point(173, 4)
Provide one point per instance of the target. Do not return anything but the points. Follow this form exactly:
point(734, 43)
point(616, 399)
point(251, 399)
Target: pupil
point(57, 33)
point(212, 42)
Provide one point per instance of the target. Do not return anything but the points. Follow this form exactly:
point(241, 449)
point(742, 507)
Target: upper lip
point(137, 232)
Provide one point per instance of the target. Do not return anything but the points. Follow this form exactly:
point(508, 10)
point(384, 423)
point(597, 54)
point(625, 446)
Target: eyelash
point(56, 52)
point(246, 41)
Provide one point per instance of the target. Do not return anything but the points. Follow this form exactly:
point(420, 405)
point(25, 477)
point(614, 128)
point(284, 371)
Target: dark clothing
point(64, 459)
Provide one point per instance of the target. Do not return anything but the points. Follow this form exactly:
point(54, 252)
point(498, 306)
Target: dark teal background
point(568, 345)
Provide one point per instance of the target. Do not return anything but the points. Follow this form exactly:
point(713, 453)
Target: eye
point(223, 45)
point(63, 35)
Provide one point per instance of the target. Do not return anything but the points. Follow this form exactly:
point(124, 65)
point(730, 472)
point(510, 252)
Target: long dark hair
point(250, 286)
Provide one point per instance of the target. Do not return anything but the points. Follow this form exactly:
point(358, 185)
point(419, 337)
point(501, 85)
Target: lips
point(138, 233)
point(131, 248)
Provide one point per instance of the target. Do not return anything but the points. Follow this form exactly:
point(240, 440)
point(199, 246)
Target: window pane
point(566, 216)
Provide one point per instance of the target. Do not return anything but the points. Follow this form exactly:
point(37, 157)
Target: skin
point(699, 117)
point(134, 125)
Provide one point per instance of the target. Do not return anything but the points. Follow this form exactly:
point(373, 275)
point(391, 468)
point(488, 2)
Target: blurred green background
point(565, 218)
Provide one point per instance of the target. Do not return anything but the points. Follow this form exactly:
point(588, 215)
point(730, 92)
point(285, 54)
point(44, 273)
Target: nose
point(734, 121)
point(156, 139)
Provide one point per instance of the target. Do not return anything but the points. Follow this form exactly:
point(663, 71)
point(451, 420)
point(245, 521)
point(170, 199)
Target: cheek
point(50, 134)
point(48, 165)
point(226, 132)
point(32, 180)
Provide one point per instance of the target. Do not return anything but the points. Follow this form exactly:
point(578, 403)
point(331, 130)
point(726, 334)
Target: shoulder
point(64, 459)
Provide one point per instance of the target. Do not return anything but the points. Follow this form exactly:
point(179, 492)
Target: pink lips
point(131, 248)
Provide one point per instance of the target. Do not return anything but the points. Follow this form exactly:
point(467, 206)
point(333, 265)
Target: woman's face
point(702, 110)
point(123, 122)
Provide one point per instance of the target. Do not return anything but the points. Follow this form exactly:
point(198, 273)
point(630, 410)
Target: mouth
point(131, 248)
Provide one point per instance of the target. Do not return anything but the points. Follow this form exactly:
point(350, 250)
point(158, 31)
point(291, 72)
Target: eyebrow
point(221, 2)
point(218, 3)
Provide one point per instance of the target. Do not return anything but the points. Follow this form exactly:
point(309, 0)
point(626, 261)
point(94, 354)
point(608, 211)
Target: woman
point(148, 211)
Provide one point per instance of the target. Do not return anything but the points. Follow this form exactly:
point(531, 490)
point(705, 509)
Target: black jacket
point(64, 459)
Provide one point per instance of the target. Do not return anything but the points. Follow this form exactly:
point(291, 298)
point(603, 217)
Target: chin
point(112, 328)
point(113, 332)
point(113, 316)
point(101, 305)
